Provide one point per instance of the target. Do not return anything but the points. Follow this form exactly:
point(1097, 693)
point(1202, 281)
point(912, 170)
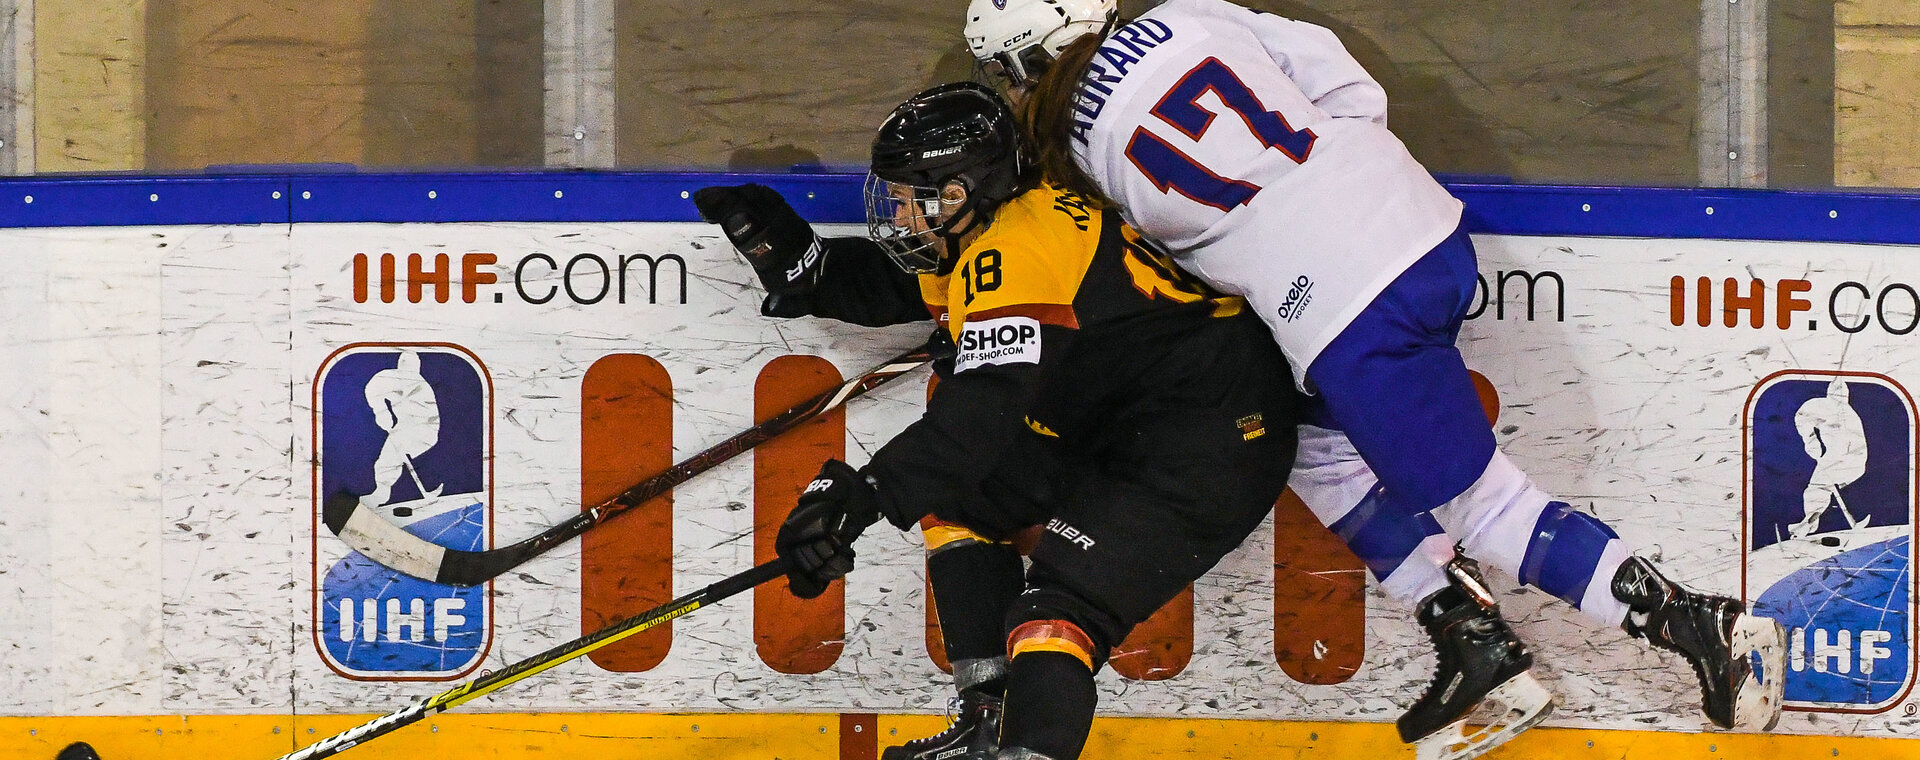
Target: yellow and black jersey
point(1051, 259)
point(1061, 318)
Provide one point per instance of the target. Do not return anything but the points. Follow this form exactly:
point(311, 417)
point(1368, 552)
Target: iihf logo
point(1829, 534)
point(409, 426)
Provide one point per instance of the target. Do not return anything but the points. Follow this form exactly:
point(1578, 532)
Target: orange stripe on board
point(626, 565)
point(794, 635)
point(1489, 396)
point(859, 736)
point(1160, 647)
point(1319, 598)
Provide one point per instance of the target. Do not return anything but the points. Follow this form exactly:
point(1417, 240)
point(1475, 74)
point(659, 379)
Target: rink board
point(184, 390)
point(854, 736)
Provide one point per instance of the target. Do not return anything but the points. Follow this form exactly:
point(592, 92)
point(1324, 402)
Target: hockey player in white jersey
point(404, 405)
point(1833, 435)
point(1256, 149)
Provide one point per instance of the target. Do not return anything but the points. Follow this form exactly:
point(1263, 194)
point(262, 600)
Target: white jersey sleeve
point(1255, 149)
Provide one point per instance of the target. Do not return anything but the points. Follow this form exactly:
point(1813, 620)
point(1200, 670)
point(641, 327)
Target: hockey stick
point(368, 533)
point(1847, 512)
point(414, 470)
point(491, 682)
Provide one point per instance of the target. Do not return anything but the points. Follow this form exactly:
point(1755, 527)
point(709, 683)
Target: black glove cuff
point(902, 515)
point(786, 305)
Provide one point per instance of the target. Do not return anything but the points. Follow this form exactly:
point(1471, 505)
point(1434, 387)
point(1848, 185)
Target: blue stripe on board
point(1847, 217)
point(553, 196)
point(331, 194)
point(124, 201)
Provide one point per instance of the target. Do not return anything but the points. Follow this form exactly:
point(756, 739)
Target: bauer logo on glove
point(818, 534)
point(807, 265)
point(781, 246)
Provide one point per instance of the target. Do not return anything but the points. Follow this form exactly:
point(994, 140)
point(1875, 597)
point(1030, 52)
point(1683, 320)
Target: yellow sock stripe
point(1051, 636)
point(1054, 645)
point(939, 536)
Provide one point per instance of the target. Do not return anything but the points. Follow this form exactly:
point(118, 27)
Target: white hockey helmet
point(1012, 38)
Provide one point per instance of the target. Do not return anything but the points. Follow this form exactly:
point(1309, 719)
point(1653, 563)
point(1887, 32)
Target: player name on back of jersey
point(1110, 65)
point(1002, 340)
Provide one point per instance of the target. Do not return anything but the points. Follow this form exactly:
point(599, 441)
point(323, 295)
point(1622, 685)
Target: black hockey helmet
point(958, 136)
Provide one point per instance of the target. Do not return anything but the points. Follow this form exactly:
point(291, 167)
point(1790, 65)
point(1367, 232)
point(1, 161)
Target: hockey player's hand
point(818, 535)
point(782, 247)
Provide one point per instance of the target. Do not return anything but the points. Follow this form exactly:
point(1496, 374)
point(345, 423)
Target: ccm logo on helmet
point(1005, 340)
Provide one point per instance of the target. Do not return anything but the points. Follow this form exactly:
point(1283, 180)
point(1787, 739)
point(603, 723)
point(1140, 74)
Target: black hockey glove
point(781, 247)
point(818, 535)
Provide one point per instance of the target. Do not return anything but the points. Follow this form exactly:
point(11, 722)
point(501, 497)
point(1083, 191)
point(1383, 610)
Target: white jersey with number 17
point(1256, 149)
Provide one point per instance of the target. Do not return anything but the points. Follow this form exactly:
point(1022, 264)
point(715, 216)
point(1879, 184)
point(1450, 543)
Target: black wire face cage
point(904, 220)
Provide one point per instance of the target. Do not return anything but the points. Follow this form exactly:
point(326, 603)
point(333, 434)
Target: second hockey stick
point(363, 529)
point(494, 681)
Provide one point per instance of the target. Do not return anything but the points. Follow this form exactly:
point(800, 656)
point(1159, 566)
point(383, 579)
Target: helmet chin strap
point(952, 237)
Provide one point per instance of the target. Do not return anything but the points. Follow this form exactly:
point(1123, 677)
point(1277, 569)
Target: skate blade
point(1763, 642)
point(1524, 703)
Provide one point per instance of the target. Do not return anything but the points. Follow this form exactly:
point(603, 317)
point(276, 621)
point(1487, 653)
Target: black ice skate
point(78, 751)
point(1740, 659)
point(974, 734)
point(1481, 661)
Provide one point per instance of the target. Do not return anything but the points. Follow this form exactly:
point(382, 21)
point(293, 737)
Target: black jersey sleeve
point(860, 285)
point(936, 465)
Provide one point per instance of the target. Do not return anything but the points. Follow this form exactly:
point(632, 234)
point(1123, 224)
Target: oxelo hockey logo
point(407, 427)
point(1828, 545)
point(1299, 294)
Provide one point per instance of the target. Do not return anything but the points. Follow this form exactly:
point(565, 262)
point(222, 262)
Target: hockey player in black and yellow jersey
point(1093, 390)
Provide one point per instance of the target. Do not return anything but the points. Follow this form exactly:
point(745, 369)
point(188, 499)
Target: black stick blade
point(335, 510)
